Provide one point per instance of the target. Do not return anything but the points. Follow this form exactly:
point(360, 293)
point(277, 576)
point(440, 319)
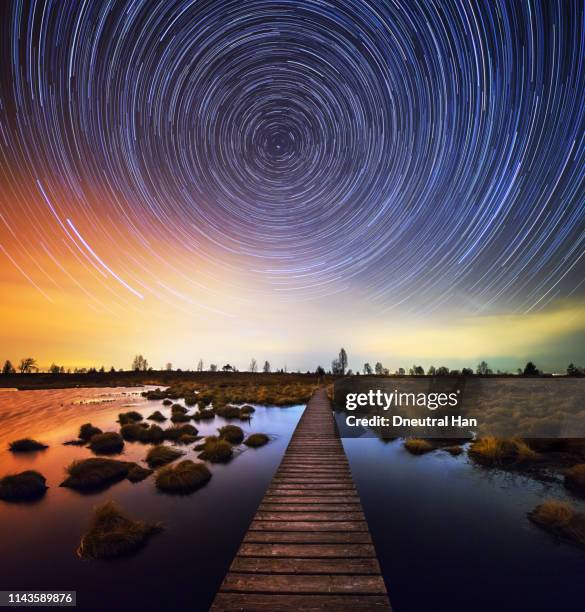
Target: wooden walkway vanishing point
point(308, 547)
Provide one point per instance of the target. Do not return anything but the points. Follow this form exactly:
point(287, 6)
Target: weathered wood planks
point(308, 547)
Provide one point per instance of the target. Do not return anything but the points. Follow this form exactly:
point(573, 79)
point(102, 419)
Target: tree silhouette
point(530, 369)
point(27, 365)
point(213, 367)
point(342, 360)
point(253, 366)
point(139, 364)
point(227, 368)
point(367, 369)
point(266, 369)
point(8, 368)
point(483, 368)
point(379, 368)
point(200, 365)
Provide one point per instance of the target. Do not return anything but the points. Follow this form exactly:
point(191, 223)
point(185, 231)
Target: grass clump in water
point(167, 402)
point(95, 473)
point(180, 417)
point(256, 440)
point(114, 534)
point(157, 416)
point(229, 412)
point(453, 450)
point(247, 409)
point(184, 477)
point(575, 479)
point(174, 433)
point(561, 519)
point(216, 450)
point(491, 451)
point(109, 443)
point(178, 409)
point(232, 433)
point(137, 473)
point(417, 446)
point(137, 432)
point(26, 445)
point(87, 431)
point(161, 455)
point(203, 415)
point(129, 417)
point(25, 486)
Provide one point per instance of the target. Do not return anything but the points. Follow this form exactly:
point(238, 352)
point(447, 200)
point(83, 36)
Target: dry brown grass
point(216, 450)
point(161, 455)
point(561, 519)
point(416, 446)
point(575, 479)
point(491, 451)
point(87, 431)
point(232, 433)
point(114, 534)
point(183, 477)
point(256, 440)
point(95, 473)
point(25, 486)
point(26, 445)
point(109, 443)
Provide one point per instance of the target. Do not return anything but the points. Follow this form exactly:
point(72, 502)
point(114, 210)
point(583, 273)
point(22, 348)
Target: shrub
point(24, 486)
point(87, 431)
point(161, 455)
point(157, 416)
point(108, 443)
point(256, 439)
point(184, 477)
point(129, 417)
point(216, 450)
point(26, 445)
point(95, 473)
point(492, 451)
point(417, 446)
point(231, 433)
point(114, 534)
point(575, 479)
point(561, 519)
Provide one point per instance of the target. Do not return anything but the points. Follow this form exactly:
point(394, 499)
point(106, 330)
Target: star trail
point(411, 156)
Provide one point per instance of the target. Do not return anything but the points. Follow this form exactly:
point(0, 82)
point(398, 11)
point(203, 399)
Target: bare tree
point(253, 365)
point(367, 369)
point(200, 365)
point(27, 365)
point(139, 364)
point(266, 369)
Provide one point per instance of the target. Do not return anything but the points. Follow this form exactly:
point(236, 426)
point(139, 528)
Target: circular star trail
point(415, 153)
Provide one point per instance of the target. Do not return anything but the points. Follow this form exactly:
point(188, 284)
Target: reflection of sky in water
point(452, 536)
point(202, 531)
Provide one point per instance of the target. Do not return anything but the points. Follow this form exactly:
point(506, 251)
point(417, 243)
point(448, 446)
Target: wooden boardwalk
point(308, 547)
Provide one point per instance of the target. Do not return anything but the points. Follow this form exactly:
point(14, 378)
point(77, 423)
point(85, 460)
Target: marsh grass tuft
point(183, 477)
point(25, 486)
point(114, 534)
point(87, 431)
point(95, 473)
point(157, 416)
point(575, 479)
point(161, 455)
point(174, 433)
point(491, 451)
point(417, 446)
point(137, 432)
point(561, 519)
point(232, 433)
point(26, 445)
point(256, 440)
point(108, 443)
point(137, 473)
point(215, 450)
point(124, 418)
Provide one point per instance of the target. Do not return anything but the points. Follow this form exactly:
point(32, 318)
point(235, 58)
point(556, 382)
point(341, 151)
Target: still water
point(182, 567)
point(450, 536)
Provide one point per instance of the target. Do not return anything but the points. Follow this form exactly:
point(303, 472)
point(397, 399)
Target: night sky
point(280, 178)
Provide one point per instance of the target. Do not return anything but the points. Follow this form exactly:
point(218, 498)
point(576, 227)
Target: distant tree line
point(339, 367)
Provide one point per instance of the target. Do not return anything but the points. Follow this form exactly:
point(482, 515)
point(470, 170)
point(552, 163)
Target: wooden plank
point(307, 551)
point(303, 565)
point(236, 602)
point(308, 546)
